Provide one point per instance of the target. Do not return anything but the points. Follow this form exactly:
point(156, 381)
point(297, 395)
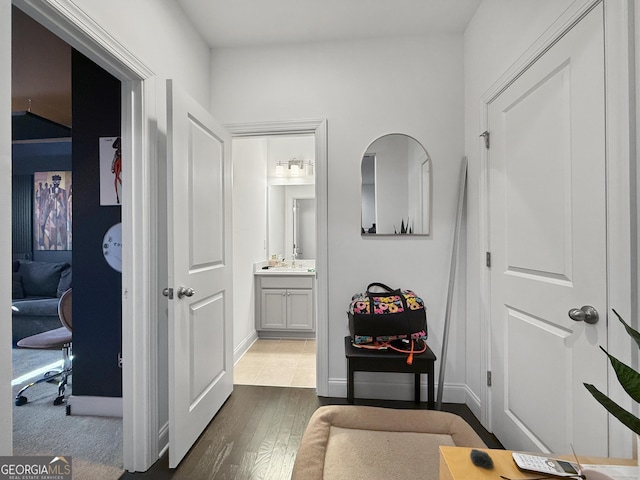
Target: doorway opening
point(50, 236)
point(275, 238)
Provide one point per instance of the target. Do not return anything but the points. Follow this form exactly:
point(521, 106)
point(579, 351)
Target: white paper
point(614, 472)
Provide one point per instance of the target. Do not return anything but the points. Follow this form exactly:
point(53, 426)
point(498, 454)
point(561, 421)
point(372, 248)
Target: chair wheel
point(58, 401)
point(20, 401)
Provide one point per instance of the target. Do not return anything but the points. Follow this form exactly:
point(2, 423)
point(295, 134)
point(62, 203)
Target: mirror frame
point(425, 178)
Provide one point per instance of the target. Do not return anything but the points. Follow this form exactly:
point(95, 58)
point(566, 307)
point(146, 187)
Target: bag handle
point(381, 285)
point(388, 289)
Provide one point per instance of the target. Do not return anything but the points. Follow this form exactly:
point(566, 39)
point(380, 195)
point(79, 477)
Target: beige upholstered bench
point(356, 442)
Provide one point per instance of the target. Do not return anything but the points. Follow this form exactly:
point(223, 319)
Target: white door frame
point(619, 132)
point(139, 283)
point(317, 127)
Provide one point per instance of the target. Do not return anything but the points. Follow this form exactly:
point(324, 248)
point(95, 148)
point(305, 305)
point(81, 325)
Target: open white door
point(200, 272)
point(548, 248)
point(6, 430)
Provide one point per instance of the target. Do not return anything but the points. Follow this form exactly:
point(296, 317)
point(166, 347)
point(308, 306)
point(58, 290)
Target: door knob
point(586, 314)
point(185, 291)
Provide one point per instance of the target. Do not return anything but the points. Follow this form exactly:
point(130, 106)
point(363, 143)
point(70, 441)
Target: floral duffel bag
point(383, 315)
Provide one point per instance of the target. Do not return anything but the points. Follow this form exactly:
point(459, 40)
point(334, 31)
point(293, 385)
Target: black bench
point(366, 360)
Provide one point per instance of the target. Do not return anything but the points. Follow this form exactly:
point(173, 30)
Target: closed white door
point(200, 272)
point(548, 246)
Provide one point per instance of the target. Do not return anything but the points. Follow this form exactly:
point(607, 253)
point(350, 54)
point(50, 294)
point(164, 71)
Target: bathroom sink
point(287, 270)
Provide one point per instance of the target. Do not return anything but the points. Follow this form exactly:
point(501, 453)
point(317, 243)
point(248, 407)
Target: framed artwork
point(110, 171)
point(52, 223)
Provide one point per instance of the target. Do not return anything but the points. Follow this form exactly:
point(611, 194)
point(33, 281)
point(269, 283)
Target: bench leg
point(416, 388)
point(430, 388)
point(349, 382)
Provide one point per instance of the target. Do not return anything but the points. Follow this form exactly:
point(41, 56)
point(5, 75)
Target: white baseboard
point(95, 406)
point(473, 402)
point(244, 345)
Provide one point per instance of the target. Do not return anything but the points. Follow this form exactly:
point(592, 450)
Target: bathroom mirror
point(396, 187)
point(292, 221)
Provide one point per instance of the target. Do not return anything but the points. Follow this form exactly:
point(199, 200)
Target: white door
point(200, 273)
point(548, 246)
point(6, 432)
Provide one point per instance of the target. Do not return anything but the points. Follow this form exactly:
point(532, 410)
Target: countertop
point(300, 268)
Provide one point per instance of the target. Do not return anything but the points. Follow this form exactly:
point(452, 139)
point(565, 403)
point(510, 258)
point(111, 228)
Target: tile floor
point(278, 363)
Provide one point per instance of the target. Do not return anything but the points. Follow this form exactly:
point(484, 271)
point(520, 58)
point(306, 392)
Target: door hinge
point(488, 378)
point(488, 259)
point(119, 359)
point(486, 136)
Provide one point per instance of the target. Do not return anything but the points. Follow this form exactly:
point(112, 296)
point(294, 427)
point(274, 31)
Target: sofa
point(361, 443)
point(37, 288)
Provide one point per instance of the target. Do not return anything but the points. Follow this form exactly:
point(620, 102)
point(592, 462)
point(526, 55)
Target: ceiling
point(41, 62)
point(40, 70)
point(233, 23)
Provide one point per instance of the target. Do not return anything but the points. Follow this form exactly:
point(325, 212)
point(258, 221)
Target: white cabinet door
point(300, 309)
point(273, 311)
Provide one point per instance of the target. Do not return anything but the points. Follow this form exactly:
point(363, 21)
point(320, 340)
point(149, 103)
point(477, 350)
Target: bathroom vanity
point(285, 300)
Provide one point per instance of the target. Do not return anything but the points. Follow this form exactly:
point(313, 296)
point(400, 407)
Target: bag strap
point(388, 289)
point(381, 285)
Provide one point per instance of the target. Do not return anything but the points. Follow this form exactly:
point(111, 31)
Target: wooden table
point(455, 464)
point(364, 360)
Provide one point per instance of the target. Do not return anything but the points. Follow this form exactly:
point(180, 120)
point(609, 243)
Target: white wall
point(364, 89)
point(158, 33)
point(249, 233)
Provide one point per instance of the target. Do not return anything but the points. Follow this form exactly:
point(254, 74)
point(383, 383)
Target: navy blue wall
point(96, 286)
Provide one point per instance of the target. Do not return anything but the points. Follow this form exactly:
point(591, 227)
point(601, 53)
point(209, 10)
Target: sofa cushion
point(16, 284)
point(41, 279)
point(43, 307)
point(65, 281)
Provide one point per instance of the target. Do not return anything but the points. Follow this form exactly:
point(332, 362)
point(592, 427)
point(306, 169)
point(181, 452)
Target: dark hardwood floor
point(256, 435)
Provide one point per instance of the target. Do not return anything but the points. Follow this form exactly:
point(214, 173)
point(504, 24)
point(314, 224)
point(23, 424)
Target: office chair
point(53, 339)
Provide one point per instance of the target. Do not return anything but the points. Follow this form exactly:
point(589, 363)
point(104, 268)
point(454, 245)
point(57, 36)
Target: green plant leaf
point(632, 333)
point(627, 376)
point(627, 418)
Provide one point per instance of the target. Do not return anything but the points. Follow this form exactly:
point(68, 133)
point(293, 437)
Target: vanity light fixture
point(294, 167)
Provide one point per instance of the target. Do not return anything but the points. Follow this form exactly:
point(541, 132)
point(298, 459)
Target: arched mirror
point(396, 187)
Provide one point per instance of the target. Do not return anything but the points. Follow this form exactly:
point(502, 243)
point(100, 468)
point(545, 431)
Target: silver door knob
point(586, 314)
point(185, 291)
